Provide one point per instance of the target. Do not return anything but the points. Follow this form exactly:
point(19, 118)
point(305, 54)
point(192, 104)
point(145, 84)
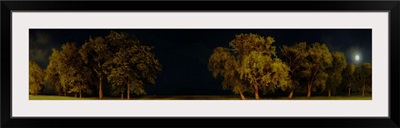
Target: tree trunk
point(127, 91)
point(242, 96)
point(35, 93)
point(80, 91)
point(329, 93)
point(65, 93)
point(76, 95)
point(101, 89)
point(290, 94)
point(349, 91)
point(122, 95)
point(308, 90)
point(256, 92)
point(363, 90)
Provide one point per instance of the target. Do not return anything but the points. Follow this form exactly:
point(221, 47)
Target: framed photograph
point(194, 63)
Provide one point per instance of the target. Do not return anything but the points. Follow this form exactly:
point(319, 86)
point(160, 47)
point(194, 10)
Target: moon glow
point(357, 57)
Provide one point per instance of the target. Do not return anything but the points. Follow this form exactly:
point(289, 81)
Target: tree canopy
point(293, 56)
point(73, 74)
point(256, 63)
point(52, 75)
point(335, 78)
point(363, 77)
point(36, 78)
point(121, 65)
point(314, 68)
point(95, 53)
point(132, 64)
point(122, 59)
point(349, 77)
point(223, 63)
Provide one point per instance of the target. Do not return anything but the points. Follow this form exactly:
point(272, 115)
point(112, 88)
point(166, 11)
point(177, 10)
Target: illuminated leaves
point(314, 68)
point(251, 59)
point(258, 62)
point(72, 70)
point(36, 78)
point(294, 56)
point(223, 63)
point(243, 44)
point(363, 77)
point(52, 75)
point(339, 63)
point(348, 74)
point(120, 58)
point(131, 64)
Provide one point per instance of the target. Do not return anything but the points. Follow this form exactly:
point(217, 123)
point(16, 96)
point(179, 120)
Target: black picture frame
point(393, 7)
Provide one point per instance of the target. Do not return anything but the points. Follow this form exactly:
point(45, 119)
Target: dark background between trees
point(184, 54)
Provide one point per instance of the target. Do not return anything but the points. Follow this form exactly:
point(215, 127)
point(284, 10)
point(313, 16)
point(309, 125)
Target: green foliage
point(348, 75)
point(73, 73)
point(243, 44)
point(280, 75)
point(36, 78)
point(363, 77)
point(132, 64)
point(120, 58)
point(265, 72)
point(320, 81)
point(314, 68)
point(223, 63)
point(253, 60)
point(95, 53)
point(294, 56)
point(367, 73)
point(52, 75)
point(248, 65)
point(339, 63)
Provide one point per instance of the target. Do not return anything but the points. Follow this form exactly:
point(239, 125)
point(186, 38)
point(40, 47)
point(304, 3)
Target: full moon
point(357, 57)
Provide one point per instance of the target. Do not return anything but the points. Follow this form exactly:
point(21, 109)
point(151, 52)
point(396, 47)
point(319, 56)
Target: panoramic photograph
point(200, 64)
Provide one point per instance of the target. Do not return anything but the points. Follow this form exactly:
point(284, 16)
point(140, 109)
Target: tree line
point(250, 64)
point(118, 59)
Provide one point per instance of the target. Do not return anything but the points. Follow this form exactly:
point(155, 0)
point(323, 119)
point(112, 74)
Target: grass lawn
point(54, 97)
point(332, 98)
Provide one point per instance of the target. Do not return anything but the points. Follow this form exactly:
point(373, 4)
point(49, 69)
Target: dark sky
point(184, 53)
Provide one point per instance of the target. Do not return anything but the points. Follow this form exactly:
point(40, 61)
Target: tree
point(259, 64)
point(318, 60)
point(133, 64)
point(223, 63)
point(349, 77)
point(73, 72)
point(95, 53)
point(52, 73)
point(294, 56)
point(335, 72)
point(36, 78)
point(363, 75)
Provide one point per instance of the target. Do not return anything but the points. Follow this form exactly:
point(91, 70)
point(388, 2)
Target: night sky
point(184, 53)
